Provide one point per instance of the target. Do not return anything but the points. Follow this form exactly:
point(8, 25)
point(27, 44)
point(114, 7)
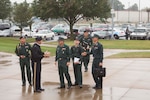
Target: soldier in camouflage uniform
point(86, 42)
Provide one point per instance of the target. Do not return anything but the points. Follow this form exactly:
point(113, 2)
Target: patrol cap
point(61, 39)
point(38, 38)
point(96, 36)
point(22, 37)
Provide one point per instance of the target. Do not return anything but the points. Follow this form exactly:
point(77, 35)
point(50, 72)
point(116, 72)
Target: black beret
point(22, 37)
point(96, 36)
point(86, 30)
point(61, 39)
point(38, 38)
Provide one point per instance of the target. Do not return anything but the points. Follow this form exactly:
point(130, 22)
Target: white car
point(45, 34)
point(27, 32)
point(117, 33)
point(6, 33)
point(139, 33)
point(102, 34)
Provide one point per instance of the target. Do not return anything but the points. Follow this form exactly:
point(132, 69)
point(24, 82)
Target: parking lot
point(127, 79)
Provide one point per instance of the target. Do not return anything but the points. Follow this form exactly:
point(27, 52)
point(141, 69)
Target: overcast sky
point(144, 3)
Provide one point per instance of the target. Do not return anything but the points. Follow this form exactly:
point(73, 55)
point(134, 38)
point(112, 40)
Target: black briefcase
point(100, 72)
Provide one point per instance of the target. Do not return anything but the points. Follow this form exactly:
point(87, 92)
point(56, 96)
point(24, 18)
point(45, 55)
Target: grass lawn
point(49, 49)
point(131, 55)
point(8, 44)
point(119, 44)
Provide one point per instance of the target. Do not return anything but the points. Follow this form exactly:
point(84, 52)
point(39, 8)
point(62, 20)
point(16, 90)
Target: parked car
point(83, 28)
point(17, 31)
point(100, 27)
point(117, 33)
point(27, 32)
point(6, 33)
point(45, 34)
point(60, 29)
point(15, 28)
point(4, 26)
point(5, 30)
point(140, 33)
point(102, 34)
point(148, 27)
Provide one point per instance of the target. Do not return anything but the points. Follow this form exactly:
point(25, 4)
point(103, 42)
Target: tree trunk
point(148, 17)
point(72, 35)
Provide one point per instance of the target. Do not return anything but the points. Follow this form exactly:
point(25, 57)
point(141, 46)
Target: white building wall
point(130, 16)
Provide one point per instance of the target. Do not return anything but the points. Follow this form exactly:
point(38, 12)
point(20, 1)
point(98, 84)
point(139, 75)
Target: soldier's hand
point(84, 54)
point(22, 56)
point(68, 63)
point(55, 63)
point(100, 64)
point(46, 54)
point(76, 63)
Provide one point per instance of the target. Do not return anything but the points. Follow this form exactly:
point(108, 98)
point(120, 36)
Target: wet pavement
point(127, 79)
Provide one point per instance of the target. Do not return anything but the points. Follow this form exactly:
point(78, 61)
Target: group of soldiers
point(80, 52)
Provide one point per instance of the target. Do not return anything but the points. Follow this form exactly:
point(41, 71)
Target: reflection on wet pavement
point(4, 62)
point(127, 79)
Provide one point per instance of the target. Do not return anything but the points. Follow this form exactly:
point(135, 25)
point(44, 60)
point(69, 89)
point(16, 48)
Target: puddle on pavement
point(75, 93)
point(50, 83)
point(2, 56)
point(7, 65)
point(45, 63)
point(4, 61)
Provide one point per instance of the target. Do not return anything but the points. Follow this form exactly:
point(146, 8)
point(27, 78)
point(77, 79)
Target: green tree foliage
point(36, 8)
point(133, 7)
point(73, 10)
point(5, 9)
point(22, 14)
point(117, 5)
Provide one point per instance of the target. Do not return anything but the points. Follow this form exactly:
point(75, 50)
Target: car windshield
point(101, 26)
point(100, 32)
point(139, 30)
point(26, 29)
point(43, 32)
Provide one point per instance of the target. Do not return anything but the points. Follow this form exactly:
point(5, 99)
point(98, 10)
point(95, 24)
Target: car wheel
point(26, 36)
point(52, 38)
point(116, 36)
point(146, 38)
point(45, 38)
point(58, 33)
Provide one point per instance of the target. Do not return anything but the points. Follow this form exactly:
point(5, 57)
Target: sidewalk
point(127, 79)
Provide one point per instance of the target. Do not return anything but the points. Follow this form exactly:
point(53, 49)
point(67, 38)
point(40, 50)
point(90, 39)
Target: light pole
point(118, 6)
point(128, 12)
point(139, 11)
point(112, 13)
